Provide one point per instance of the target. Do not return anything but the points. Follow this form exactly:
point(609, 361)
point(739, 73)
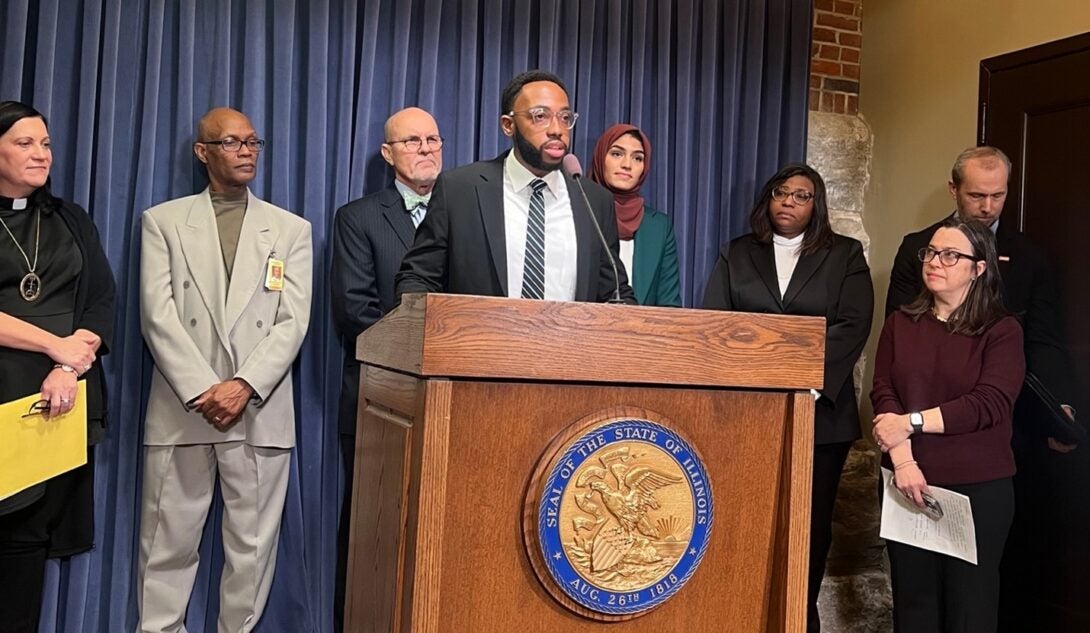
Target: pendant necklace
point(30, 288)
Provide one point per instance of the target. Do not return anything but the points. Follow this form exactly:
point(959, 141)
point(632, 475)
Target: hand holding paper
point(34, 448)
point(954, 534)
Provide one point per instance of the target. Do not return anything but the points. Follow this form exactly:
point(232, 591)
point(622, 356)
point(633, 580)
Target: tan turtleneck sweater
point(230, 211)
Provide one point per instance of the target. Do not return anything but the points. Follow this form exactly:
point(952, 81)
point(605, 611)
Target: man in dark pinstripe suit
point(370, 236)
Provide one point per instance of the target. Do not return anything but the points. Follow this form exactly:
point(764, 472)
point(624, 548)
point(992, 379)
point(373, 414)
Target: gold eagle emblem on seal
point(621, 524)
point(618, 514)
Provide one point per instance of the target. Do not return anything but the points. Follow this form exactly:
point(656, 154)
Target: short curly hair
point(513, 87)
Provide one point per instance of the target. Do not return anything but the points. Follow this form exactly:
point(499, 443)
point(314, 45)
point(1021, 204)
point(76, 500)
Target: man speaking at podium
point(515, 226)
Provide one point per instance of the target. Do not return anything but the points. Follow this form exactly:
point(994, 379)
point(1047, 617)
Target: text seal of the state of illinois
point(618, 516)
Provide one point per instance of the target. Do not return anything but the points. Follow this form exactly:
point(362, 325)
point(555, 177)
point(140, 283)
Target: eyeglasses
point(947, 257)
point(414, 143)
point(38, 408)
point(543, 117)
point(233, 144)
point(800, 197)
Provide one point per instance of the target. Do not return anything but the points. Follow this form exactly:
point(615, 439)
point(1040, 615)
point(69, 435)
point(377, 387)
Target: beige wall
point(918, 91)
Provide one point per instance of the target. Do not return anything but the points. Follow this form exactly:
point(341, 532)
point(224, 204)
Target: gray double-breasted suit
point(203, 327)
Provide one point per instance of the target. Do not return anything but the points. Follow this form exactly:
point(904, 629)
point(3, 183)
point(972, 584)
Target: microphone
point(572, 168)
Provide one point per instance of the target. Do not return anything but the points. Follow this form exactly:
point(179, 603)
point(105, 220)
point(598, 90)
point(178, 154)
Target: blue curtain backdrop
point(720, 87)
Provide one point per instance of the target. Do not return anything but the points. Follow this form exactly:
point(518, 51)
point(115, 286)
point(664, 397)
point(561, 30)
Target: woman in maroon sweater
point(948, 370)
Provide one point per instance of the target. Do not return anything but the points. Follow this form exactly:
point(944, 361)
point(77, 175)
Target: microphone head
point(570, 165)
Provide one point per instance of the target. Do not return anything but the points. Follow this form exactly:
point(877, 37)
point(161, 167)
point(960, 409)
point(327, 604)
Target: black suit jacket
point(461, 245)
point(370, 236)
point(1030, 292)
point(833, 282)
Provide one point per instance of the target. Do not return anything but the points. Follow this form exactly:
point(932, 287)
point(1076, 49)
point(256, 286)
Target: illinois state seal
point(618, 516)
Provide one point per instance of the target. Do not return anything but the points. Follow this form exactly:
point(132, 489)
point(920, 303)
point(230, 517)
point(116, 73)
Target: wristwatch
point(916, 420)
point(65, 368)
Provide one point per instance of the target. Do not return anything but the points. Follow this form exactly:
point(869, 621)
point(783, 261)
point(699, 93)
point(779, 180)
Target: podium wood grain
point(444, 459)
point(444, 335)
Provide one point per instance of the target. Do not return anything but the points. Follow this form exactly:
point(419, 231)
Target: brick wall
point(834, 57)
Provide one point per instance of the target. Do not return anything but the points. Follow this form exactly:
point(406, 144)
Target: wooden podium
point(460, 396)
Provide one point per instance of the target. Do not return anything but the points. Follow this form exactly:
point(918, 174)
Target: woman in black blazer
point(793, 263)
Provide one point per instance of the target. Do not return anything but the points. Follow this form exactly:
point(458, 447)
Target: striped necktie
point(533, 275)
point(417, 213)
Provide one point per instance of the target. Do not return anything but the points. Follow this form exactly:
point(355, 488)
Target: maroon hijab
point(627, 204)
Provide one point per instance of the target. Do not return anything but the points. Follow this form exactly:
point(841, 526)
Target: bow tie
point(414, 200)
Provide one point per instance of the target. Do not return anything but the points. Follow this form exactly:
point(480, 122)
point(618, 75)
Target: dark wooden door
point(1035, 106)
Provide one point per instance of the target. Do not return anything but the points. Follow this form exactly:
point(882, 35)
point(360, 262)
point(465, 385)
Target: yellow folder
point(34, 449)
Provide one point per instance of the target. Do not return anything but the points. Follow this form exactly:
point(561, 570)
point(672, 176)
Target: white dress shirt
point(628, 252)
point(560, 247)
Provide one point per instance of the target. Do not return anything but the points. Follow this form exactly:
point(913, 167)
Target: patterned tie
point(533, 276)
point(416, 205)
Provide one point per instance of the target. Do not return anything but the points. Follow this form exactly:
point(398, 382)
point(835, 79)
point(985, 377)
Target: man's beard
point(533, 156)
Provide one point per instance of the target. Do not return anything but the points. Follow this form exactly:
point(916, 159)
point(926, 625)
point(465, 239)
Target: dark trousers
point(58, 524)
point(828, 463)
point(935, 593)
point(22, 571)
point(348, 462)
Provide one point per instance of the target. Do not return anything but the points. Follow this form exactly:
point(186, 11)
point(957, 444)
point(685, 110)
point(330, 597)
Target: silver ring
point(64, 401)
point(216, 419)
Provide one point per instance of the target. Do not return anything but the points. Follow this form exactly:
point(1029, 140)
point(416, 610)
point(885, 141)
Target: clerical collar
point(15, 204)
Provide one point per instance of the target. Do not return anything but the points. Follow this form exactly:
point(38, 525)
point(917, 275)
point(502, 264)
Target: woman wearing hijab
point(622, 158)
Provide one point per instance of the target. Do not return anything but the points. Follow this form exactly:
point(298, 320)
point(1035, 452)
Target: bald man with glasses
point(370, 236)
point(225, 290)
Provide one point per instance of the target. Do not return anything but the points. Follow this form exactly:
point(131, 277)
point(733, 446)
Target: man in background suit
point(978, 184)
point(225, 289)
point(370, 236)
point(515, 226)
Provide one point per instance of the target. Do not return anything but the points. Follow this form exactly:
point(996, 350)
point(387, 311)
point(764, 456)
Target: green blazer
point(654, 261)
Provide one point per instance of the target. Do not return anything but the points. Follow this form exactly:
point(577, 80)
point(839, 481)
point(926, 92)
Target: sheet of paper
point(33, 449)
point(954, 534)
